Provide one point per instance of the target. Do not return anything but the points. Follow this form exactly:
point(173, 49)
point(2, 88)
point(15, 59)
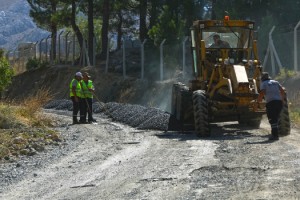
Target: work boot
point(273, 138)
point(274, 134)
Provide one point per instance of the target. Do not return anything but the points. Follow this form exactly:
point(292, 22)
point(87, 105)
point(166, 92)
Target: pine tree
point(42, 12)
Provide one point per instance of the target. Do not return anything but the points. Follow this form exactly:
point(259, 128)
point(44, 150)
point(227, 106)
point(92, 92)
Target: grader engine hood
point(239, 78)
point(243, 91)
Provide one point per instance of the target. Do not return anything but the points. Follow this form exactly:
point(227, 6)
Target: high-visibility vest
point(85, 88)
point(78, 89)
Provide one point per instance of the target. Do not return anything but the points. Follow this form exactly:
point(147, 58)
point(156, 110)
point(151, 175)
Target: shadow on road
point(219, 131)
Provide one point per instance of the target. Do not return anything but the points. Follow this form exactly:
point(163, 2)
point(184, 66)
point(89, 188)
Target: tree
point(91, 30)
point(90, 19)
point(42, 12)
point(143, 15)
point(105, 26)
point(166, 27)
point(66, 17)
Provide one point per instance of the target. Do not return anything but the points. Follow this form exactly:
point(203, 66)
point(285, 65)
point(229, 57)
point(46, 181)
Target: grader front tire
point(200, 107)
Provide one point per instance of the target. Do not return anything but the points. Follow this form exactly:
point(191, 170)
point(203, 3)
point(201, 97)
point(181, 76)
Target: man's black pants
point(273, 111)
point(90, 109)
point(76, 108)
point(87, 109)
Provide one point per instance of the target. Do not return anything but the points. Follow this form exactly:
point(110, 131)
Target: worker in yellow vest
point(88, 90)
point(76, 96)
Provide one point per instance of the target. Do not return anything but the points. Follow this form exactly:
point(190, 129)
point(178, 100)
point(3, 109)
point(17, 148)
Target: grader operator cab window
point(236, 39)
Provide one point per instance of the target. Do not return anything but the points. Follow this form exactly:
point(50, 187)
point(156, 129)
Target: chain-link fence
point(135, 58)
point(67, 52)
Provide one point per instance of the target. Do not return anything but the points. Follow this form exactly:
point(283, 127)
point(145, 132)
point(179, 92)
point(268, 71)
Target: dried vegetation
point(23, 128)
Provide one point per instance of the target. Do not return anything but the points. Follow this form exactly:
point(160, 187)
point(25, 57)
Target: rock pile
point(137, 116)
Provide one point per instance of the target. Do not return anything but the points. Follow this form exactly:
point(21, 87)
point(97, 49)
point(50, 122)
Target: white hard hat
point(79, 74)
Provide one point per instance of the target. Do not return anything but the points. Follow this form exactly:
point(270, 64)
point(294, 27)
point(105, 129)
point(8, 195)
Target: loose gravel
point(15, 169)
point(137, 116)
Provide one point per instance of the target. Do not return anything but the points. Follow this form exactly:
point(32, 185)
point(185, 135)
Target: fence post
point(35, 44)
point(183, 56)
point(107, 58)
point(47, 47)
point(271, 51)
point(162, 59)
point(66, 46)
point(296, 47)
point(87, 55)
point(143, 58)
point(59, 46)
point(124, 59)
point(41, 42)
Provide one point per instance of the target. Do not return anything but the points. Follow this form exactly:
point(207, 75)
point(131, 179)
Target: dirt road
point(114, 161)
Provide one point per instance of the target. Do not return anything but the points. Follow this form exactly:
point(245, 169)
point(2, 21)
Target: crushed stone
point(137, 116)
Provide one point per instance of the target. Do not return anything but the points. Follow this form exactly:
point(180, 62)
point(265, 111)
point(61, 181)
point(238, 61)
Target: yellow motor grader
point(226, 71)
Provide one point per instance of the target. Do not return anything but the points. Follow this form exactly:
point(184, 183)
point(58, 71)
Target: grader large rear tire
point(284, 122)
point(201, 117)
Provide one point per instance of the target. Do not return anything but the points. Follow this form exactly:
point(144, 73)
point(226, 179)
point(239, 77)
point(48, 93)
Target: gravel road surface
point(112, 160)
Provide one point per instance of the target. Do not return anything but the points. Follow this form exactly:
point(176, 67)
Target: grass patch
point(294, 112)
point(24, 130)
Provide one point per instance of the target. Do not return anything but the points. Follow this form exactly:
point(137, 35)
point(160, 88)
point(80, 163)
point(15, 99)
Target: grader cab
point(226, 71)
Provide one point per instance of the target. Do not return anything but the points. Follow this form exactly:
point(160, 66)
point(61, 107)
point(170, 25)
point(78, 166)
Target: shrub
point(6, 72)
point(23, 127)
point(34, 63)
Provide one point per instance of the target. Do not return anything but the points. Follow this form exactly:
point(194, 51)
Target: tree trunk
point(119, 30)
point(143, 15)
point(153, 13)
point(90, 30)
point(53, 34)
point(75, 27)
point(105, 24)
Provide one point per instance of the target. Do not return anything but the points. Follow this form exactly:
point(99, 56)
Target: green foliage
point(34, 63)
point(83, 27)
point(6, 72)
point(166, 28)
point(42, 11)
point(295, 115)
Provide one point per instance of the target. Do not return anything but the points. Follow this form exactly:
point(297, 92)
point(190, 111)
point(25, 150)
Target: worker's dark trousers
point(82, 106)
point(90, 109)
point(273, 111)
point(87, 109)
point(76, 108)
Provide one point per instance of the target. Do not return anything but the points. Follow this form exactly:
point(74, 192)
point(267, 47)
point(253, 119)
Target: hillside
point(110, 87)
point(16, 26)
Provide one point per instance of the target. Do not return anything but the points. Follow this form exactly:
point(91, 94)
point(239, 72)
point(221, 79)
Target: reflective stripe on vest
point(85, 88)
point(78, 89)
